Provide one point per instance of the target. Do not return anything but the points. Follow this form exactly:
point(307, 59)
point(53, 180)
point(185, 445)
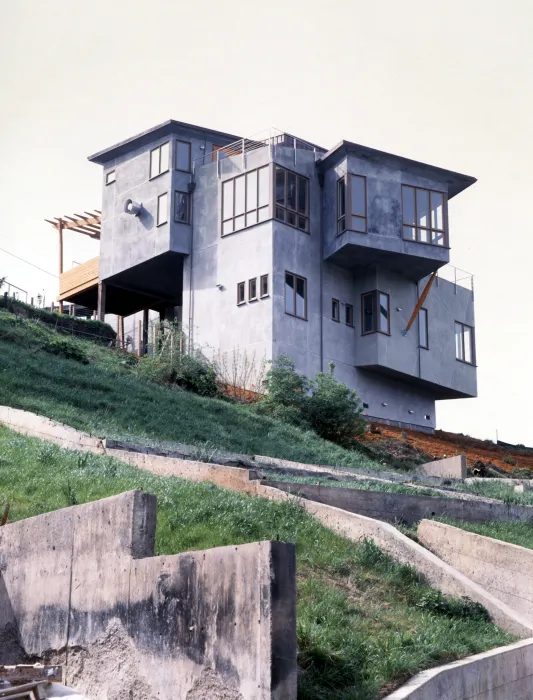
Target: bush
point(66, 348)
point(285, 386)
point(188, 372)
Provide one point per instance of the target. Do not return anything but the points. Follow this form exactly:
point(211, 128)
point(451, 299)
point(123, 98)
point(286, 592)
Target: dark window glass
point(183, 156)
point(375, 313)
point(341, 205)
point(335, 312)
point(368, 313)
point(252, 289)
point(300, 297)
point(291, 190)
point(295, 295)
point(358, 196)
point(302, 195)
point(292, 198)
point(181, 207)
point(290, 304)
point(349, 315)
point(240, 293)
point(423, 328)
point(280, 185)
point(408, 200)
point(264, 285)
point(245, 200)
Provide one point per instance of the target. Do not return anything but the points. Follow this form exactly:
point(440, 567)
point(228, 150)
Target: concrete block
point(523, 487)
point(451, 467)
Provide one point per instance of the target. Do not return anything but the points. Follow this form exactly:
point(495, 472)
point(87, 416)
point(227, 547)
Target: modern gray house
point(279, 246)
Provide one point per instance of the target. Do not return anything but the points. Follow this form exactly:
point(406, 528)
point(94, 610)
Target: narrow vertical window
point(252, 289)
point(341, 205)
point(240, 293)
point(162, 209)
point(183, 156)
point(159, 160)
point(384, 319)
point(464, 343)
point(375, 313)
point(264, 285)
point(423, 335)
point(358, 202)
point(181, 207)
point(368, 325)
point(349, 315)
point(335, 310)
point(292, 198)
point(295, 295)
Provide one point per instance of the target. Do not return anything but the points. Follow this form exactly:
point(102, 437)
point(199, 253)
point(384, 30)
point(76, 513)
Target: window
point(162, 209)
point(335, 310)
point(183, 156)
point(423, 216)
point(240, 293)
point(182, 207)
point(375, 313)
point(427, 416)
point(292, 198)
point(349, 315)
point(351, 204)
point(159, 160)
point(295, 295)
point(252, 289)
point(245, 200)
point(423, 336)
point(264, 285)
point(365, 405)
point(110, 177)
point(464, 343)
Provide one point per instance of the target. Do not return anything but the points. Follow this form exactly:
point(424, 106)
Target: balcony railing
point(78, 279)
point(460, 278)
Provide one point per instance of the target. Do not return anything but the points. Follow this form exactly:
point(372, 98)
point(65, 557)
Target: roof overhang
point(455, 182)
point(157, 132)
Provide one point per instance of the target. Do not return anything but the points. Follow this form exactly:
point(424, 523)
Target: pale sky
point(448, 83)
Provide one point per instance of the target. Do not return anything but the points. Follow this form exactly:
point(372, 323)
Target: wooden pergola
point(88, 223)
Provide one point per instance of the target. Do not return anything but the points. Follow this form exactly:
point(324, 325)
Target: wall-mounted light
point(220, 287)
point(410, 411)
point(133, 208)
point(384, 404)
point(398, 308)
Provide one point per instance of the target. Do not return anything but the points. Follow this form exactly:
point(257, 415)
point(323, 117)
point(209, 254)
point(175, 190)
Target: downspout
point(321, 185)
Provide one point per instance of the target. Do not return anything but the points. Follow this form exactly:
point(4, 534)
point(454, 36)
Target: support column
point(101, 302)
point(144, 346)
point(60, 231)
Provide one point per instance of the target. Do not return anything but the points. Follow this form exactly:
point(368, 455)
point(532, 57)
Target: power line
point(29, 263)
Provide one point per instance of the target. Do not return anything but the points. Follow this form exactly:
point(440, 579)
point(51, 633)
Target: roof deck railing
point(458, 277)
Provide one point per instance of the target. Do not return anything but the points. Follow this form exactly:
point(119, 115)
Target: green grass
point(106, 398)
point(365, 623)
point(496, 489)
point(514, 532)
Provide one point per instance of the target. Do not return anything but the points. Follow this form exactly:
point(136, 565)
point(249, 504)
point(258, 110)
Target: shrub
point(509, 460)
point(66, 348)
point(195, 374)
point(285, 386)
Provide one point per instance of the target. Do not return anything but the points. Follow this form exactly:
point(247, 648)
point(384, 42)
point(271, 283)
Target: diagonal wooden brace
point(420, 302)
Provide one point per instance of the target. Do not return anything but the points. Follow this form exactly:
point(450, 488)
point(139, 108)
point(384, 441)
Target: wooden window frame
point(430, 230)
point(295, 277)
point(250, 297)
point(375, 293)
point(348, 306)
point(336, 302)
point(107, 180)
point(473, 345)
point(188, 199)
point(232, 218)
point(243, 285)
point(161, 172)
point(426, 323)
point(263, 277)
point(284, 206)
point(161, 223)
point(189, 145)
point(348, 213)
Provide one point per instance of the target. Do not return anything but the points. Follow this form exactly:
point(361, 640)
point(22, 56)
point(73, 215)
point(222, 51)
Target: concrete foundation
point(81, 587)
point(451, 467)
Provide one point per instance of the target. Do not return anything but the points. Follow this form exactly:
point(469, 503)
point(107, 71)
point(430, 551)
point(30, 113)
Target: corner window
point(375, 316)
point(423, 216)
point(264, 285)
point(110, 177)
point(295, 295)
point(423, 335)
point(252, 289)
point(159, 158)
point(245, 200)
point(162, 209)
point(351, 204)
point(292, 198)
point(335, 310)
point(349, 315)
point(183, 156)
point(182, 207)
point(464, 343)
point(240, 293)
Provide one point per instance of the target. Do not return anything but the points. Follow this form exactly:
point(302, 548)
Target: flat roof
point(167, 128)
point(456, 182)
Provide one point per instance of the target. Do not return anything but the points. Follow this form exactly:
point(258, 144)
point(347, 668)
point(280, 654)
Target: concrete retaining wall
point(452, 467)
point(81, 587)
point(504, 569)
point(405, 507)
point(501, 674)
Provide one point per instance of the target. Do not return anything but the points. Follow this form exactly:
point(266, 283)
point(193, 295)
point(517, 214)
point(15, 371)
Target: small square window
point(182, 207)
point(365, 405)
point(335, 310)
point(264, 285)
point(427, 416)
point(162, 209)
point(110, 177)
point(240, 293)
point(252, 289)
point(349, 315)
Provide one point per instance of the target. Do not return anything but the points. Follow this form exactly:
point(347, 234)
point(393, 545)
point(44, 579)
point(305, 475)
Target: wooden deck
point(78, 279)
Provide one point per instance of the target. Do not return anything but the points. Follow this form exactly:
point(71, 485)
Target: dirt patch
point(210, 686)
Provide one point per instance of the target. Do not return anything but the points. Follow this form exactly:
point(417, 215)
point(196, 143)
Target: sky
point(446, 83)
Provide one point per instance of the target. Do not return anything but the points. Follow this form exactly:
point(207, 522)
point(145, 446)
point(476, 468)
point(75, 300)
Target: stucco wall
point(81, 586)
point(504, 569)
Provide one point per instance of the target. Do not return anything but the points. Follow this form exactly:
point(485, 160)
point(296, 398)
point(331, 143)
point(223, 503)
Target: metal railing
point(458, 277)
point(8, 287)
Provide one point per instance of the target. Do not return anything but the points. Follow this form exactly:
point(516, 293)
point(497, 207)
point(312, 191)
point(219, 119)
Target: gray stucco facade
point(190, 266)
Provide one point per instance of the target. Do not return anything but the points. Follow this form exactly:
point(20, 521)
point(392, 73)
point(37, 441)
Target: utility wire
point(29, 263)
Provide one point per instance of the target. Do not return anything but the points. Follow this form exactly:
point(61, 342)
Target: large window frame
point(461, 346)
point(423, 329)
point(255, 209)
point(432, 232)
point(289, 209)
point(376, 296)
point(187, 199)
point(158, 160)
point(294, 304)
point(187, 145)
point(348, 211)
